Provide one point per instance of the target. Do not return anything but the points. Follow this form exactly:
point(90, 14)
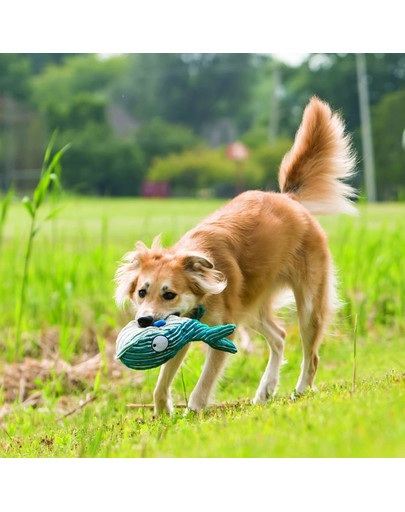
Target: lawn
point(62, 394)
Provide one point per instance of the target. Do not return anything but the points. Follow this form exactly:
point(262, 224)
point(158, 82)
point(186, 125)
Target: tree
point(74, 98)
point(159, 138)
point(333, 78)
point(77, 112)
point(100, 163)
point(388, 123)
point(39, 61)
point(56, 85)
point(189, 89)
point(14, 76)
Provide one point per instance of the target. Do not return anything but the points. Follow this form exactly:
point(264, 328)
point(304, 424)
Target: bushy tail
point(320, 160)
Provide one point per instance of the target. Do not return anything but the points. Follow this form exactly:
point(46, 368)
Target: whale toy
point(149, 347)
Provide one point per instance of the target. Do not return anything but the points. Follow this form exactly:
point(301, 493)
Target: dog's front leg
point(214, 364)
point(161, 395)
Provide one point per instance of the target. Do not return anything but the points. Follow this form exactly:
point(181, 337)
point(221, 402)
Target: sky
point(293, 59)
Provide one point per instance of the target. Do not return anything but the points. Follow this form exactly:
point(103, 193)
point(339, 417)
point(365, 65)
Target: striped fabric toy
point(149, 347)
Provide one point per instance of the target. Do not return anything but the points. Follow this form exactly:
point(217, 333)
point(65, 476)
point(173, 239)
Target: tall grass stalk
point(184, 386)
point(354, 354)
point(4, 209)
point(50, 173)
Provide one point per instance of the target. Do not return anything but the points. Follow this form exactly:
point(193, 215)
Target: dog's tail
point(320, 160)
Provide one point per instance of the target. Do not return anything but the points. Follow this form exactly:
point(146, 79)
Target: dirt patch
point(21, 379)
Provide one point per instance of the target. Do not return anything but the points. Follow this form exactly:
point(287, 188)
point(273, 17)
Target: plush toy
point(149, 347)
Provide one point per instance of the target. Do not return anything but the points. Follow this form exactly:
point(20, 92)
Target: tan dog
point(242, 258)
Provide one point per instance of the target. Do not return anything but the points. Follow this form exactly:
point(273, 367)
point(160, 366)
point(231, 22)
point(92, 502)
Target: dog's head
point(161, 282)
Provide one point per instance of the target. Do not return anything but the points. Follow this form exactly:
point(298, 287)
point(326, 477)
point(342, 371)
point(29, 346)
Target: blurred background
point(166, 124)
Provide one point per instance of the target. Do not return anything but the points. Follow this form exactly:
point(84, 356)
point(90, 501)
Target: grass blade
point(48, 152)
point(26, 202)
point(48, 176)
point(4, 210)
point(354, 354)
point(55, 212)
point(5, 205)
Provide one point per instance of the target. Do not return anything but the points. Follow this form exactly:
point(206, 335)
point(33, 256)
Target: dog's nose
point(145, 321)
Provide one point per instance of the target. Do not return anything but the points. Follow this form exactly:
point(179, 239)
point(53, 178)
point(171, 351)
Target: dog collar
point(198, 312)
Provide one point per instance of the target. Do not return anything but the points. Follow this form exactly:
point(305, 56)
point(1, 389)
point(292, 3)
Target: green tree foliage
point(159, 138)
point(39, 61)
point(83, 73)
point(388, 132)
point(82, 109)
point(269, 158)
point(74, 98)
point(256, 137)
point(100, 163)
point(190, 89)
point(14, 76)
point(333, 78)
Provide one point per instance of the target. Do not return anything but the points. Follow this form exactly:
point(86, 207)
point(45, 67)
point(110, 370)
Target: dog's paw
point(263, 395)
point(190, 413)
point(301, 392)
point(196, 404)
point(163, 407)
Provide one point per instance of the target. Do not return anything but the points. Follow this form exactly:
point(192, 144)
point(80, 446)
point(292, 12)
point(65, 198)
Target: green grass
point(70, 293)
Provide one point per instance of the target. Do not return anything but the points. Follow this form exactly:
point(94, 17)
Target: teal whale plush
point(149, 347)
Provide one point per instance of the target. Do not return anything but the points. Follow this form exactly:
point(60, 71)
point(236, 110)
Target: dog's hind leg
point(161, 395)
point(275, 336)
point(314, 308)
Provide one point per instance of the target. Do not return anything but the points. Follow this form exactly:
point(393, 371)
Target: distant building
point(219, 132)
point(155, 189)
point(121, 122)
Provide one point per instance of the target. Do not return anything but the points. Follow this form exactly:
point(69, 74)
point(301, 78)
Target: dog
point(240, 260)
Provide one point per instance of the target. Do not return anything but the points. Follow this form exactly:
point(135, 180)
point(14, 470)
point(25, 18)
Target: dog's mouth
point(194, 313)
point(176, 313)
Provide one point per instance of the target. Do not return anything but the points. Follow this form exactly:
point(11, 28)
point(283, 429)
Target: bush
point(201, 169)
point(269, 159)
point(256, 137)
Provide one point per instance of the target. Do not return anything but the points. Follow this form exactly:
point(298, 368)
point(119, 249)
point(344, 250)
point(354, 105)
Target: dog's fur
point(241, 259)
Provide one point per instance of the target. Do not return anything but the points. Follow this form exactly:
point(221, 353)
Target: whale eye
point(160, 343)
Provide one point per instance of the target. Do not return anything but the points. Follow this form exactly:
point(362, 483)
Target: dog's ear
point(157, 243)
point(127, 273)
point(204, 278)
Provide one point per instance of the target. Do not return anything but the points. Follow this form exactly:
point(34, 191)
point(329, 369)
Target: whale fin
point(223, 344)
point(216, 337)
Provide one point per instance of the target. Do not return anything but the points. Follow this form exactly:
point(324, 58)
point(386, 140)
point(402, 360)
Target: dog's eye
point(169, 295)
point(142, 293)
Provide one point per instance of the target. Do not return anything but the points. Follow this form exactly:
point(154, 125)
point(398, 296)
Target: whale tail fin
point(216, 337)
point(223, 344)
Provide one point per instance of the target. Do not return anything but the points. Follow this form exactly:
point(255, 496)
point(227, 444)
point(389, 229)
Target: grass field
point(70, 318)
